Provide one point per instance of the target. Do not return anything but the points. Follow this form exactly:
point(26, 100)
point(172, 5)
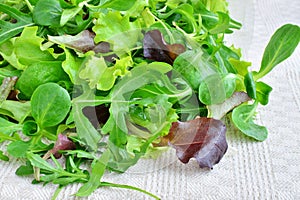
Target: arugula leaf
point(95, 176)
point(7, 128)
point(8, 29)
point(16, 110)
point(85, 130)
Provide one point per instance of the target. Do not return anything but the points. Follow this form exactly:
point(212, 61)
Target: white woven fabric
point(250, 170)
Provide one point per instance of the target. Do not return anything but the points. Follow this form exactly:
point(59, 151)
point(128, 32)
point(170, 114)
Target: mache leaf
point(281, 45)
point(242, 117)
point(50, 104)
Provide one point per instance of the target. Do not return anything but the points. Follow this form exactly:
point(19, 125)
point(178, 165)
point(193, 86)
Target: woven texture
point(249, 170)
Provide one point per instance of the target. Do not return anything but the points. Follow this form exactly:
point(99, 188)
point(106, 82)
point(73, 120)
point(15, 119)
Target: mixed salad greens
point(103, 83)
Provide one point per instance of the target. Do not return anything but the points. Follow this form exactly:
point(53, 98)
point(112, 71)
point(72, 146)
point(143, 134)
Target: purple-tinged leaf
point(62, 143)
point(155, 48)
point(202, 138)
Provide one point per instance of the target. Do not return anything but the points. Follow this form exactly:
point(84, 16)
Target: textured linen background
point(249, 170)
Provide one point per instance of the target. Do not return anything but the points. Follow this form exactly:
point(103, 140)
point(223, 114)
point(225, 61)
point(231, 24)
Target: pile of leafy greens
point(103, 83)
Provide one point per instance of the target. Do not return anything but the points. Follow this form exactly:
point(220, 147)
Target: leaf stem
point(30, 7)
point(108, 184)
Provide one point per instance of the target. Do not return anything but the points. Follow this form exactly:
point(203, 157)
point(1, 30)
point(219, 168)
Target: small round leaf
point(50, 104)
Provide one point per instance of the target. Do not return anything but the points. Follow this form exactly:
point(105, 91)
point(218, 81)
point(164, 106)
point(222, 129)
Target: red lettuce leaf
point(62, 143)
point(202, 138)
point(155, 48)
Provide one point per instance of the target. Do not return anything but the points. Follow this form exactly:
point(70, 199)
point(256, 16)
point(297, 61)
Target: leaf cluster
point(103, 83)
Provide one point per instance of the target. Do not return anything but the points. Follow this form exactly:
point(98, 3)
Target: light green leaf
point(28, 47)
point(117, 30)
point(68, 14)
point(15, 109)
point(18, 149)
point(71, 66)
point(263, 91)
point(39, 162)
point(7, 127)
point(100, 75)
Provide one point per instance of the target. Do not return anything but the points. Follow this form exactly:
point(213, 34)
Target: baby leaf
point(118, 30)
point(201, 138)
point(7, 127)
point(280, 47)
point(24, 170)
point(157, 49)
point(8, 29)
point(28, 47)
point(194, 66)
point(50, 104)
point(250, 85)
point(262, 92)
point(47, 13)
point(242, 118)
point(95, 176)
point(16, 110)
point(18, 148)
point(216, 88)
point(39, 73)
point(30, 128)
point(118, 4)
